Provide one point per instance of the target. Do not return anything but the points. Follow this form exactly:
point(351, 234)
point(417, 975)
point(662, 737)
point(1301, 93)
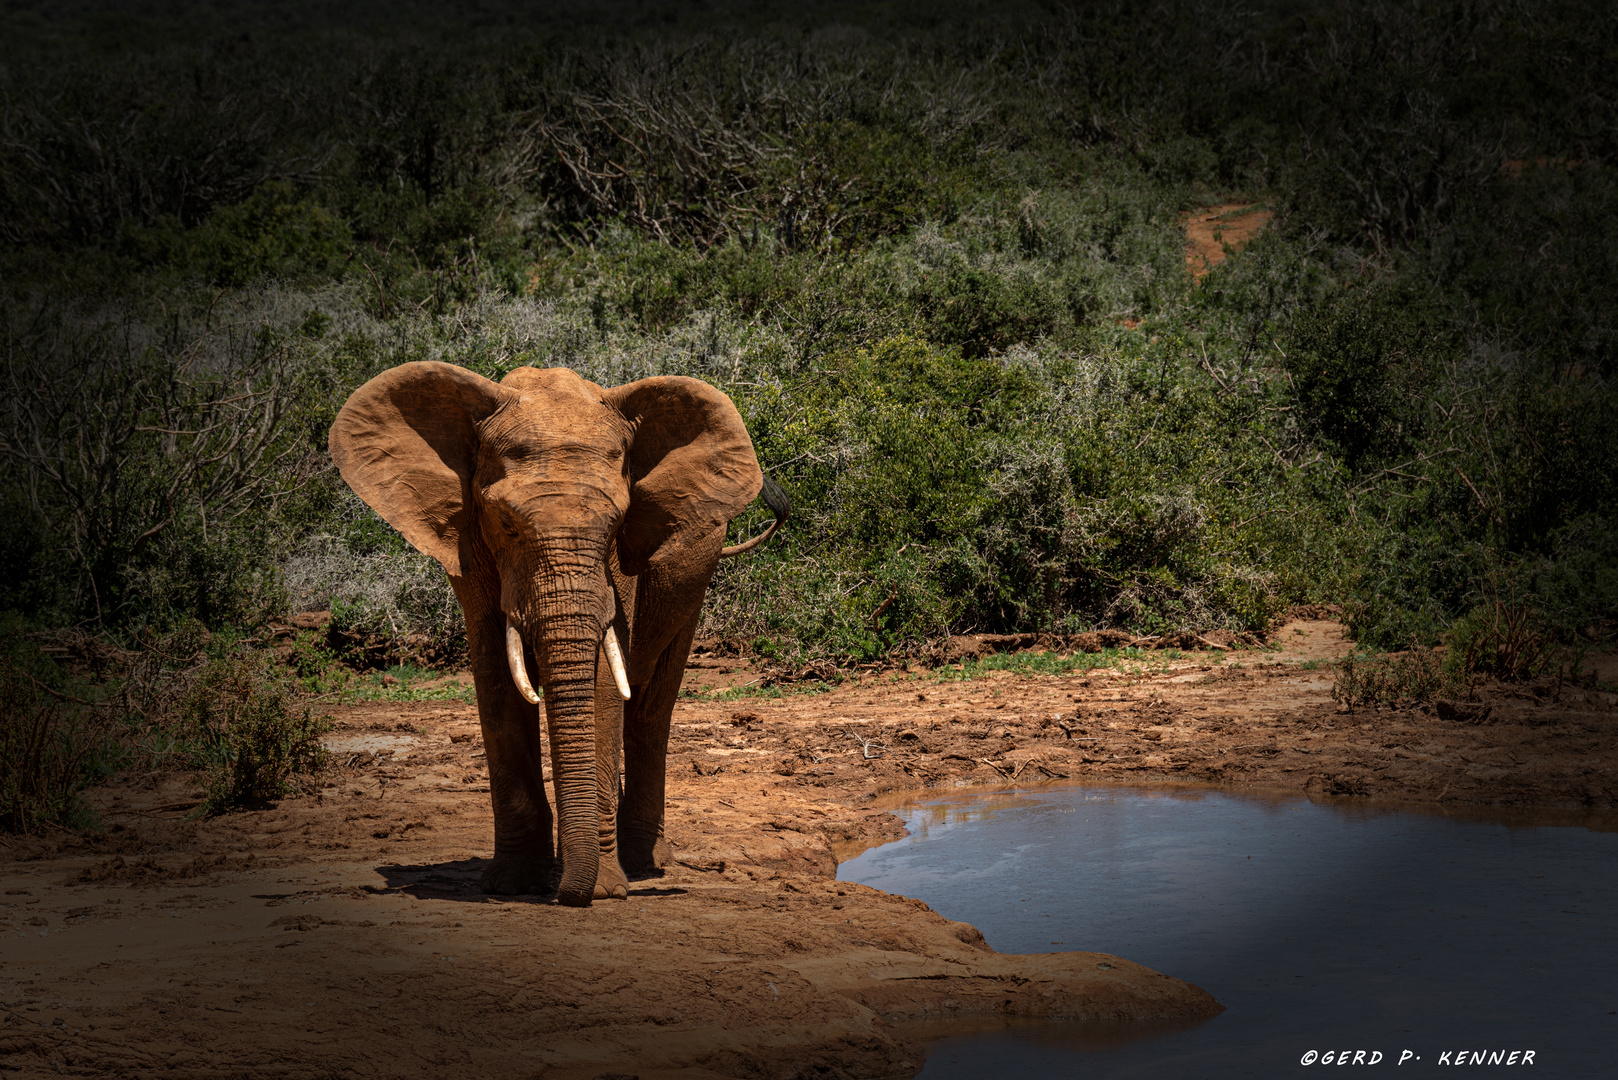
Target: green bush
point(240, 722)
point(1357, 366)
point(936, 258)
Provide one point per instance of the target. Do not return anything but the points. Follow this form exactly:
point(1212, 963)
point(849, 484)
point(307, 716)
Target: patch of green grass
point(1047, 663)
point(777, 690)
point(371, 687)
point(322, 674)
point(316, 665)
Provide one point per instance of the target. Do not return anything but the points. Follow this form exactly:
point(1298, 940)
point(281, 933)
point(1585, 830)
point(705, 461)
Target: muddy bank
point(247, 971)
point(1236, 717)
point(342, 934)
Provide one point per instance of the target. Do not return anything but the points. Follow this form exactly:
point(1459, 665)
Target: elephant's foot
point(516, 875)
point(645, 859)
point(611, 884)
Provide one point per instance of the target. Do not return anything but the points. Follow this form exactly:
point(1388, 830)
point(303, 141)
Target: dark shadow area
point(458, 880)
point(1066, 1036)
point(453, 880)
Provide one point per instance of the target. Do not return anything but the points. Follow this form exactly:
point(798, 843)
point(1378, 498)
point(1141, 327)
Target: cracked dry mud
point(343, 935)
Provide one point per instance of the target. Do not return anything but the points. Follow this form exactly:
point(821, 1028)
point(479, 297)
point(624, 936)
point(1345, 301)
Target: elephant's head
point(527, 491)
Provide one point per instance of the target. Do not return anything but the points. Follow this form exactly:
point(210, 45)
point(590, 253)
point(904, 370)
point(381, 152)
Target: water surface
point(1318, 926)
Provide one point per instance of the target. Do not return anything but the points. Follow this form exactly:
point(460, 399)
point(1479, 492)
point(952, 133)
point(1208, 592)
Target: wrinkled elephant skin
point(572, 520)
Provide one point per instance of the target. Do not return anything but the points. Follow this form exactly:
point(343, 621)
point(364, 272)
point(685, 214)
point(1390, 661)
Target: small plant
point(51, 748)
point(1504, 638)
point(240, 722)
point(316, 664)
point(1395, 679)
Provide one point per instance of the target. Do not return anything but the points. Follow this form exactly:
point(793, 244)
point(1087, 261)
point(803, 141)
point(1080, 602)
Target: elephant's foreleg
point(642, 847)
point(524, 848)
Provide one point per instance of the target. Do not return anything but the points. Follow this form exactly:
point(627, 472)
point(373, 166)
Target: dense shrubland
point(937, 262)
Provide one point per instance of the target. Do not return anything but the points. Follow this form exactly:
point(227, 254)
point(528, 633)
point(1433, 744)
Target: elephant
point(580, 528)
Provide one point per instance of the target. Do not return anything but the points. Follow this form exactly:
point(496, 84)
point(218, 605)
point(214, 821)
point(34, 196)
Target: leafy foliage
point(937, 262)
point(240, 722)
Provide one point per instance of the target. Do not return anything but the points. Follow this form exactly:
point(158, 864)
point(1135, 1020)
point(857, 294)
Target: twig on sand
point(869, 747)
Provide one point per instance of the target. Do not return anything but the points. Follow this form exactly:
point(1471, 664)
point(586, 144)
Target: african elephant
point(570, 519)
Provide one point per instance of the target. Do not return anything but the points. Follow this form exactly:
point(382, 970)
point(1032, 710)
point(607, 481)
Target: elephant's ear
point(691, 463)
point(407, 443)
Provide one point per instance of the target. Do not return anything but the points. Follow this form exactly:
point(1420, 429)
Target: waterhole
point(1320, 927)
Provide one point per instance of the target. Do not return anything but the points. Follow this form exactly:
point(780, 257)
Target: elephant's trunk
point(567, 658)
point(562, 603)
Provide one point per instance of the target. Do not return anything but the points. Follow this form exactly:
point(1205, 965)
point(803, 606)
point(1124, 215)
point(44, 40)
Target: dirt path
point(1210, 229)
point(342, 935)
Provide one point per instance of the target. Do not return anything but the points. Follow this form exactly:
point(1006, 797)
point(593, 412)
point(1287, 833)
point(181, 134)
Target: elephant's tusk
point(519, 666)
point(615, 660)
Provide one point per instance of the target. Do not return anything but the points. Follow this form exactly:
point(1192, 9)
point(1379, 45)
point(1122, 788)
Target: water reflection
point(1320, 926)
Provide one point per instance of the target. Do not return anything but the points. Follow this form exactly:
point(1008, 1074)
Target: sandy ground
point(1211, 229)
point(342, 935)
